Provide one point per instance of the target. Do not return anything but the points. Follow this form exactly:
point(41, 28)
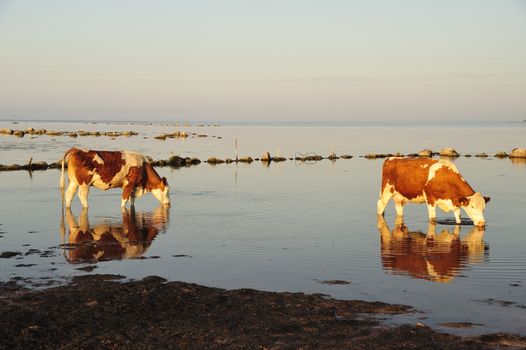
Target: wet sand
point(98, 311)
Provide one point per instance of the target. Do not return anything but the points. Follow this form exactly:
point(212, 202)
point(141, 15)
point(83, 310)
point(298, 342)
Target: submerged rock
point(501, 155)
point(346, 156)
point(214, 160)
point(481, 155)
point(382, 155)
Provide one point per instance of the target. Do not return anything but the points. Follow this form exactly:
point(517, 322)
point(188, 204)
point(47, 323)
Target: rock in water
point(518, 153)
point(448, 152)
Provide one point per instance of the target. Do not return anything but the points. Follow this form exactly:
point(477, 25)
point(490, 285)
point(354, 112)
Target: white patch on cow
point(98, 159)
point(442, 163)
point(162, 195)
point(419, 199)
point(423, 166)
point(475, 208)
point(131, 159)
point(139, 191)
point(446, 205)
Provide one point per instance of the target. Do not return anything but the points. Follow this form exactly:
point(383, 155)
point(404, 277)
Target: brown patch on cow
point(81, 163)
point(153, 180)
point(408, 176)
point(135, 178)
point(448, 184)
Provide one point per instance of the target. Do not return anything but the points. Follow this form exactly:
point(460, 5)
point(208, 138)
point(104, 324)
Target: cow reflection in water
point(434, 257)
point(109, 240)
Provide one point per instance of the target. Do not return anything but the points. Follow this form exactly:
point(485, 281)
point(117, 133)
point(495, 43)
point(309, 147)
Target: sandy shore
point(98, 311)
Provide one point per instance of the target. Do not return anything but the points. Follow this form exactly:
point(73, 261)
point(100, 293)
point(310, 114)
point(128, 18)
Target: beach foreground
point(98, 311)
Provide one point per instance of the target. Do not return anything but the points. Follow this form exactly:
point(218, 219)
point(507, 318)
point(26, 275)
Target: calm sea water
point(286, 227)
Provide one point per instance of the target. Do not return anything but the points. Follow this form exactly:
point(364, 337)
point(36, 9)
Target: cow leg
point(127, 194)
point(399, 206)
point(385, 196)
point(132, 199)
point(70, 192)
point(83, 195)
point(432, 212)
point(456, 212)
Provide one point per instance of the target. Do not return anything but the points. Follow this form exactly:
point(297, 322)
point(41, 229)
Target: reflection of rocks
point(434, 257)
point(518, 161)
point(109, 240)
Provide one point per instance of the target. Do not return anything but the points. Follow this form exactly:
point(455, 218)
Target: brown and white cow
point(109, 169)
point(435, 182)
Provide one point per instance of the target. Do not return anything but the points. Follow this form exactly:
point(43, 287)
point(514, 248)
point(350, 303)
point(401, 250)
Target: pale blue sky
point(243, 60)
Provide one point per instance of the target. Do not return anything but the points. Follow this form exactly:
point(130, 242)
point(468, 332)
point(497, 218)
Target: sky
point(263, 60)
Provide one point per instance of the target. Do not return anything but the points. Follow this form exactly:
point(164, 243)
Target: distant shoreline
point(384, 124)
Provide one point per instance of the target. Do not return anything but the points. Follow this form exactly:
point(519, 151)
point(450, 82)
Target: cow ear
point(164, 181)
point(486, 199)
point(464, 201)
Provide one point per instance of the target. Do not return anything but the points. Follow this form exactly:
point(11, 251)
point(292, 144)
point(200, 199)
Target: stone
point(266, 157)
point(448, 152)
point(332, 156)
point(425, 153)
point(501, 155)
point(214, 160)
point(346, 156)
point(245, 160)
point(481, 155)
point(518, 153)
point(6, 131)
point(19, 133)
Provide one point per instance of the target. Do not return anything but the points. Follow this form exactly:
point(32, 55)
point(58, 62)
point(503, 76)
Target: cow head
point(474, 206)
point(161, 192)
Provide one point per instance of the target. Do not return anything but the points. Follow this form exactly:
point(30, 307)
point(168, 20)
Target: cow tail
point(62, 178)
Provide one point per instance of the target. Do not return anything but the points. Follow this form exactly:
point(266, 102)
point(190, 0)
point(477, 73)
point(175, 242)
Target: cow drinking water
point(104, 170)
point(435, 182)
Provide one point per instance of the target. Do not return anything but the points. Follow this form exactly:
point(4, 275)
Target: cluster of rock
point(517, 155)
point(32, 131)
point(175, 161)
point(449, 153)
point(172, 135)
point(181, 135)
point(31, 166)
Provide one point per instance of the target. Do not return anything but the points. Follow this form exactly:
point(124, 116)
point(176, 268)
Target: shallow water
point(290, 226)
